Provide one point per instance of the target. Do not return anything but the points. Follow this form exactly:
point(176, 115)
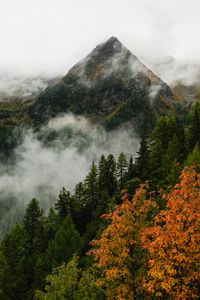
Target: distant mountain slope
point(16, 87)
point(110, 85)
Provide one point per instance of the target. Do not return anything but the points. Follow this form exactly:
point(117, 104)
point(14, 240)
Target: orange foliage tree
point(113, 251)
point(173, 242)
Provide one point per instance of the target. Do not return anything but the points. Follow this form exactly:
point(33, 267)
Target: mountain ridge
point(106, 84)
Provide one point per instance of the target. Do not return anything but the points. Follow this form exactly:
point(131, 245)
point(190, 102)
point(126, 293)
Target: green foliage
point(122, 166)
point(46, 241)
point(142, 160)
point(64, 204)
point(67, 241)
point(33, 219)
point(14, 260)
point(194, 129)
point(87, 288)
point(62, 283)
point(194, 156)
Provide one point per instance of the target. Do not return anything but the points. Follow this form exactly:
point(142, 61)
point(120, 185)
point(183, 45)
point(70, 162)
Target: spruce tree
point(91, 187)
point(122, 166)
point(64, 203)
point(142, 160)
point(67, 241)
point(111, 175)
point(102, 174)
point(194, 131)
point(131, 172)
point(33, 219)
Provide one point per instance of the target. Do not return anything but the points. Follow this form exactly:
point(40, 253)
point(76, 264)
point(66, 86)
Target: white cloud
point(49, 36)
point(42, 171)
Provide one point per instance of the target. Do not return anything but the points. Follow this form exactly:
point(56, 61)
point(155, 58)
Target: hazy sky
point(49, 36)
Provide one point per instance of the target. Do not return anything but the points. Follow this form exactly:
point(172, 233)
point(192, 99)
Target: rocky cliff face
point(110, 85)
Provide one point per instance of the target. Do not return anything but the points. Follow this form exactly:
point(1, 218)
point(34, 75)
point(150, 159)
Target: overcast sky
point(49, 36)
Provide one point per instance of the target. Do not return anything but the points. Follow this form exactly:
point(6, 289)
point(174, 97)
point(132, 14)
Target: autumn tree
point(173, 242)
point(114, 250)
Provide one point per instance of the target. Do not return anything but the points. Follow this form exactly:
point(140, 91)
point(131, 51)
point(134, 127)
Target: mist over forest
point(99, 150)
point(57, 156)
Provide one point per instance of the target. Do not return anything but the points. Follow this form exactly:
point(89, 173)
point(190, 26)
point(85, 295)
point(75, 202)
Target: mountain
point(110, 85)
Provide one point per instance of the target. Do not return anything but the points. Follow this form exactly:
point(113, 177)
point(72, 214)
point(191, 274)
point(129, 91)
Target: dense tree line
point(144, 235)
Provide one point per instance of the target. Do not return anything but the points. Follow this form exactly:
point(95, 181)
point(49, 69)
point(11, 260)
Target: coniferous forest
point(99, 150)
point(130, 229)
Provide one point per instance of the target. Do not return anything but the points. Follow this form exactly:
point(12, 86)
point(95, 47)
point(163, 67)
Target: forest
point(130, 230)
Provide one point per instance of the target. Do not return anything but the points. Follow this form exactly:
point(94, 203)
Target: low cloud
point(41, 171)
point(21, 86)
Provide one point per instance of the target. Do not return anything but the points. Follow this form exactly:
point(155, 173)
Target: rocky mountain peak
point(110, 84)
point(110, 58)
point(110, 47)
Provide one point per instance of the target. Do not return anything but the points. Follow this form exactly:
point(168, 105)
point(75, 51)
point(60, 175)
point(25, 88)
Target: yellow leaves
point(173, 241)
point(113, 251)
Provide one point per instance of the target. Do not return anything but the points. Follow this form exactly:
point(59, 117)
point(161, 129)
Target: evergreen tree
point(4, 278)
point(34, 224)
point(160, 138)
point(131, 172)
point(194, 157)
point(121, 169)
point(64, 203)
point(67, 241)
point(51, 224)
point(107, 182)
point(91, 189)
point(102, 178)
point(194, 131)
point(79, 204)
point(142, 160)
point(33, 219)
point(14, 271)
point(172, 155)
point(111, 175)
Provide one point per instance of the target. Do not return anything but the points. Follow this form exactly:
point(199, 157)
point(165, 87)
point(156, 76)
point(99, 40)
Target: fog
point(50, 36)
point(12, 87)
point(42, 168)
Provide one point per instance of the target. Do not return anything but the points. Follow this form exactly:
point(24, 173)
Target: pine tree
point(131, 172)
point(91, 189)
point(194, 157)
point(34, 224)
point(122, 166)
point(51, 224)
point(102, 178)
point(33, 219)
point(142, 160)
point(172, 157)
point(194, 131)
point(107, 182)
point(15, 270)
point(64, 203)
point(67, 241)
point(111, 175)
